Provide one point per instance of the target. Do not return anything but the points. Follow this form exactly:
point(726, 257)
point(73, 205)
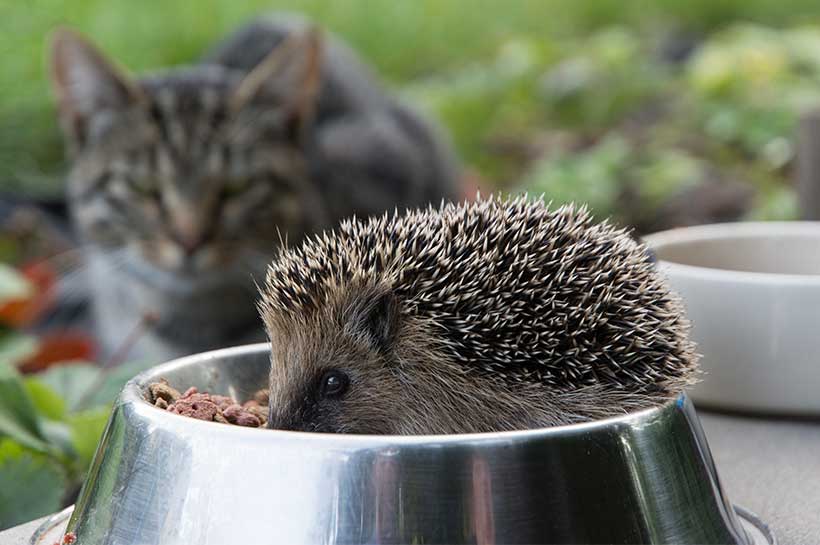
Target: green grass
point(404, 40)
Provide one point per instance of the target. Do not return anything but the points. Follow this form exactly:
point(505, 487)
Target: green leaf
point(70, 382)
point(18, 415)
point(15, 347)
point(592, 177)
point(86, 429)
point(58, 435)
point(114, 381)
point(48, 402)
point(84, 386)
point(31, 485)
point(9, 252)
point(13, 285)
point(90, 386)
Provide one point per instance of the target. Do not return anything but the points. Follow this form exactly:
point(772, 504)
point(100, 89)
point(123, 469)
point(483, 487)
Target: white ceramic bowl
point(752, 292)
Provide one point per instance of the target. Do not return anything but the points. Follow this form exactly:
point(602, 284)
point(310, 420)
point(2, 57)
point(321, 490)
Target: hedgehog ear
point(377, 317)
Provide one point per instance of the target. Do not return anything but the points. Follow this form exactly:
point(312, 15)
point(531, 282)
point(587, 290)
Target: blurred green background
point(638, 108)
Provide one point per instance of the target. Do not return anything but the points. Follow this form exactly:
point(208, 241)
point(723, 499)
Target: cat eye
point(235, 187)
point(334, 384)
point(143, 187)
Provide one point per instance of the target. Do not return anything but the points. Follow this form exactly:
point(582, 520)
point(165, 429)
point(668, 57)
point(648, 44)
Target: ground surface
point(772, 468)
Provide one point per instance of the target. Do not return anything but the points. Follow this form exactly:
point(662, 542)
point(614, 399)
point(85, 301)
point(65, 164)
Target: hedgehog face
point(358, 365)
point(332, 372)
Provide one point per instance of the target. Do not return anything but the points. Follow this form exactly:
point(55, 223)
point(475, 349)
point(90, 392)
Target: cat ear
point(376, 316)
point(84, 82)
point(290, 75)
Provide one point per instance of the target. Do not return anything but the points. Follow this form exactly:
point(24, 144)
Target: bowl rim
point(728, 231)
point(133, 394)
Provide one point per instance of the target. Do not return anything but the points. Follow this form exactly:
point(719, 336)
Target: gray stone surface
point(770, 467)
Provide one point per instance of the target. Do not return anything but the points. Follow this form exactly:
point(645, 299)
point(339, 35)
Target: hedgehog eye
point(334, 384)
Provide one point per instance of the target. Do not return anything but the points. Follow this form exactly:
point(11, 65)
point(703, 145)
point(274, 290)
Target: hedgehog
point(494, 315)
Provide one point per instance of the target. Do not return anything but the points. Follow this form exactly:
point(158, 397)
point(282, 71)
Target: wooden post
point(808, 166)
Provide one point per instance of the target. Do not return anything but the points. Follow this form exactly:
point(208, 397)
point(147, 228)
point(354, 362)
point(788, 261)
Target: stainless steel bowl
point(161, 479)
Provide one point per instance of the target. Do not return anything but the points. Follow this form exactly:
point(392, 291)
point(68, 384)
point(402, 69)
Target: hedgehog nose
point(273, 420)
point(278, 421)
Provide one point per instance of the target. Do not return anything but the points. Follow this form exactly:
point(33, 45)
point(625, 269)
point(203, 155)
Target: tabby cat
point(184, 183)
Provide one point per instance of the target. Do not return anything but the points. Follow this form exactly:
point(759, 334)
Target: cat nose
point(189, 243)
point(188, 233)
point(186, 218)
point(189, 247)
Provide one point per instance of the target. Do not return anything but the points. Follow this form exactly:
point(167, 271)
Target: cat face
point(194, 172)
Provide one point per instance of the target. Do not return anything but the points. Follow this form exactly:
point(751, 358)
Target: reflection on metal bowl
point(160, 478)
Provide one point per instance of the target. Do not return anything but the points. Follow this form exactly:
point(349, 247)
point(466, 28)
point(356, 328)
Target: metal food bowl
point(160, 478)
